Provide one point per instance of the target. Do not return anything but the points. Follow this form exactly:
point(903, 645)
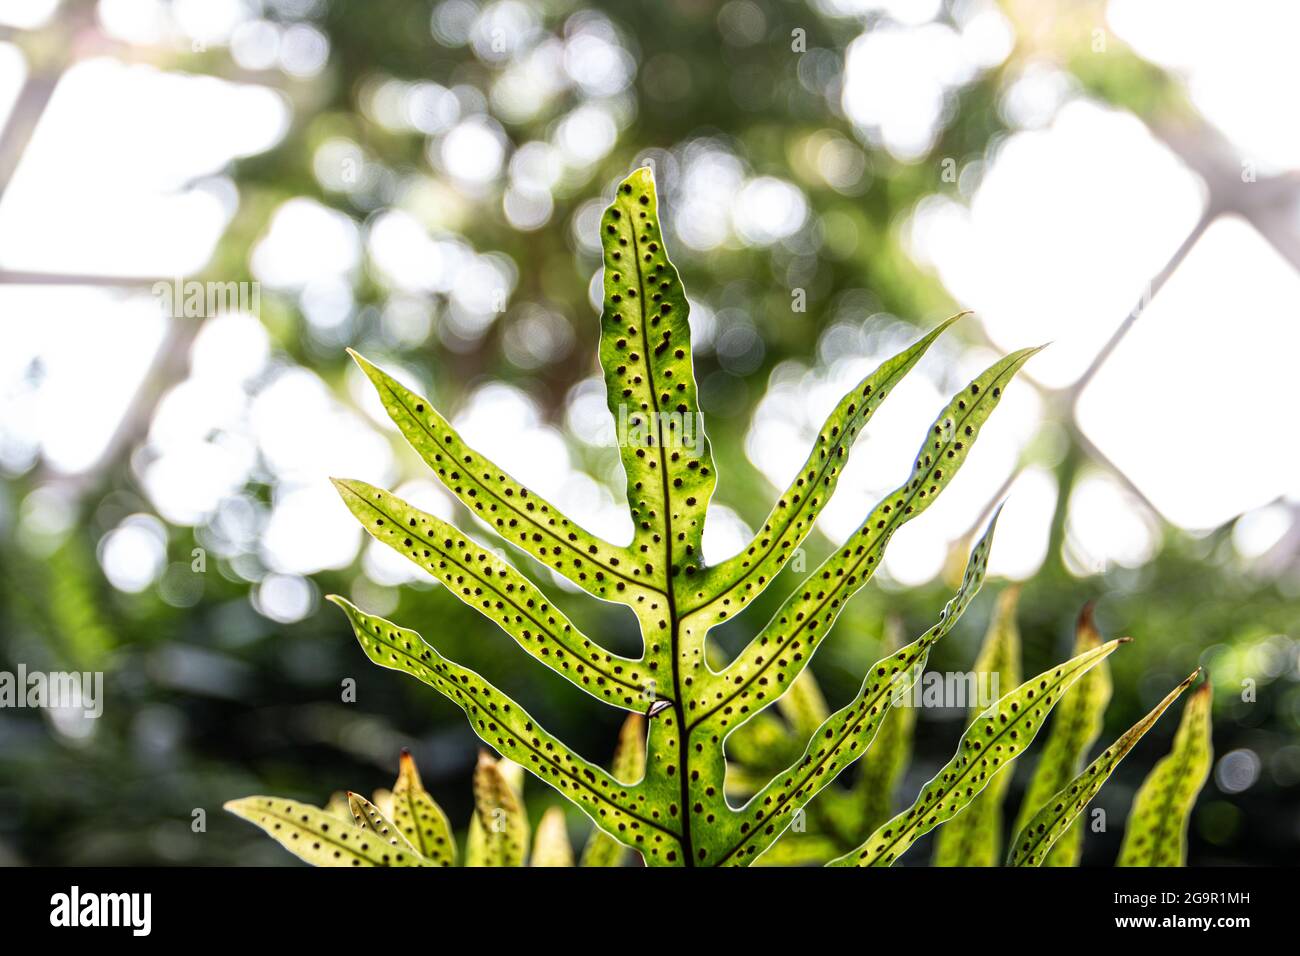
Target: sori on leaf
point(672, 807)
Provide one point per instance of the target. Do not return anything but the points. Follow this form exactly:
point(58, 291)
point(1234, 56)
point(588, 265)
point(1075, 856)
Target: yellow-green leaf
point(645, 350)
point(974, 837)
point(1076, 724)
point(782, 649)
point(726, 588)
point(517, 514)
point(507, 727)
point(503, 830)
point(844, 736)
point(420, 818)
point(499, 592)
point(318, 837)
point(551, 845)
point(996, 738)
point(1156, 834)
point(1055, 816)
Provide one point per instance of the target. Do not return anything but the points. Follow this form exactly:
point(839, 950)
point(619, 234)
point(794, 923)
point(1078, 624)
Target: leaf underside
point(673, 809)
point(1156, 834)
point(991, 743)
point(420, 818)
point(319, 837)
point(1032, 844)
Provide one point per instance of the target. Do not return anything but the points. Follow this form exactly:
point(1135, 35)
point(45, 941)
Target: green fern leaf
point(518, 515)
point(498, 591)
point(974, 837)
point(676, 813)
point(847, 733)
point(370, 818)
point(780, 651)
point(551, 845)
point(319, 837)
point(1076, 724)
point(991, 743)
point(1055, 816)
point(507, 727)
point(1156, 834)
point(420, 818)
point(500, 837)
point(645, 340)
point(726, 588)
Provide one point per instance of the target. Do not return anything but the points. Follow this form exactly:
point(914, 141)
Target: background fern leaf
point(1076, 724)
point(420, 818)
point(974, 836)
point(884, 762)
point(628, 767)
point(989, 745)
point(1156, 834)
point(1055, 816)
point(318, 837)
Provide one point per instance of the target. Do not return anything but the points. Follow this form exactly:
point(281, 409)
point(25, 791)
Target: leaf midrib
point(683, 734)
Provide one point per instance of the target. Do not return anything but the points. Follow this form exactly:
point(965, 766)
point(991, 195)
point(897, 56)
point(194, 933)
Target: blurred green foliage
point(209, 700)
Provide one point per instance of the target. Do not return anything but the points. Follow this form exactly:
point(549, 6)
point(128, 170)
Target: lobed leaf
point(615, 807)
point(628, 767)
point(645, 351)
point(848, 732)
point(784, 646)
point(319, 837)
point(551, 841)
point(991, 743)
point(725, 589)
point(1055, 816)
point(420, 818)
point(1156, 834)
point(974, 837)
point(499, 592)
point(518, 515)
point(1075, 726)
